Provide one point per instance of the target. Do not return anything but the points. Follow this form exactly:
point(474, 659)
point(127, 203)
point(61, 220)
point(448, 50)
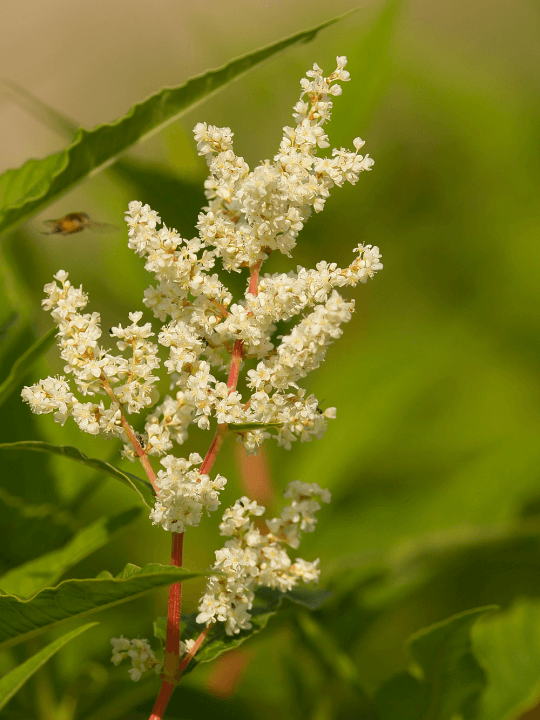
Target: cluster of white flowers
point(251, 559)
point(251, 214)
point(141, 655)
point(183, 493)
point(93, 367)
point(139, 652)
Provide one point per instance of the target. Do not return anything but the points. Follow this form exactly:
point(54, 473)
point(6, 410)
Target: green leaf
point(311, 599)
point(450, 681)
point(22, 619)
point(25, 363)
point(161, 187)
point(14, 680)
point(160, 628)
point(334, 660)
point(508, 648)
point(372, 61)
point(23, 191)
point(143, 488)
point(242, 427)
point(44, 571)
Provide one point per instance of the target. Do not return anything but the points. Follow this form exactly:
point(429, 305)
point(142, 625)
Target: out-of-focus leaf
point(14, 306)
point(25, 363)
point(187, 703)
point(334, 660)
point(44, 571)
point(371, 61)
point(31, 528)
point(25, 190)
point(508, 648)
point(450, 681)
point(14, 680)
point(160, 628)
point(39, 109)
point(22, 619)
point(179, 199)
point(142, 487)
point(311, 599)
point(30, 512)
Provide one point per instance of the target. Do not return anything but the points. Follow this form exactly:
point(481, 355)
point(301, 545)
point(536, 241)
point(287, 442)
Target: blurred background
point(434, 458)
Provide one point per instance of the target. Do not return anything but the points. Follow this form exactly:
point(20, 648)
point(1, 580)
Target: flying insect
point(73, 223)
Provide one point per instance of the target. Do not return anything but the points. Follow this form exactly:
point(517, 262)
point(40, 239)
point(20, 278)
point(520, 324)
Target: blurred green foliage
point(433, 461)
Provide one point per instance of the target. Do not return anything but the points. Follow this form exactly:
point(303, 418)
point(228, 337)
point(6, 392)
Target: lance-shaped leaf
point(451, 679)
point(33, 576)
point(23, 191)
point(25, 363)
point(22, 619)
point(143, 488)
point(15, 679)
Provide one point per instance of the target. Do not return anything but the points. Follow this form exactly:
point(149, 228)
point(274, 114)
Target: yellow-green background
point(436, 379)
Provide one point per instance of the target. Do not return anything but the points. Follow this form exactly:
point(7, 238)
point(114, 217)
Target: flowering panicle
point(93, 367)
point(184, 493)
point(208, 335)
point(251, 214)
point(251, 559)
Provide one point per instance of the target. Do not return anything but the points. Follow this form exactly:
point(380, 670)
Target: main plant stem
point(172, 667)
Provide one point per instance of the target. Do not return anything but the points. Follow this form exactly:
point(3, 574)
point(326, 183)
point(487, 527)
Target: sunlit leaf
point(15, 679)
point(450, 681)
point(22, 619)
point(33, 576)
point(507, 646)
point(23, 191)
point(143, 488)
point(25, 363)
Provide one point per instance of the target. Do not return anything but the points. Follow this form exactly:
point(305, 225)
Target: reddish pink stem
point(214, 449)
point(172, 644)
point(189, 657)
point(254, 278)
point(162, 701)
point(236, 361)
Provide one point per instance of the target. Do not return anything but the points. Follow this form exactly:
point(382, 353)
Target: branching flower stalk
point(250, 215)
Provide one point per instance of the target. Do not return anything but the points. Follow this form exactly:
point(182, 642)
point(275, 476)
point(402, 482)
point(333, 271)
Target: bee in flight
point(73, 223)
